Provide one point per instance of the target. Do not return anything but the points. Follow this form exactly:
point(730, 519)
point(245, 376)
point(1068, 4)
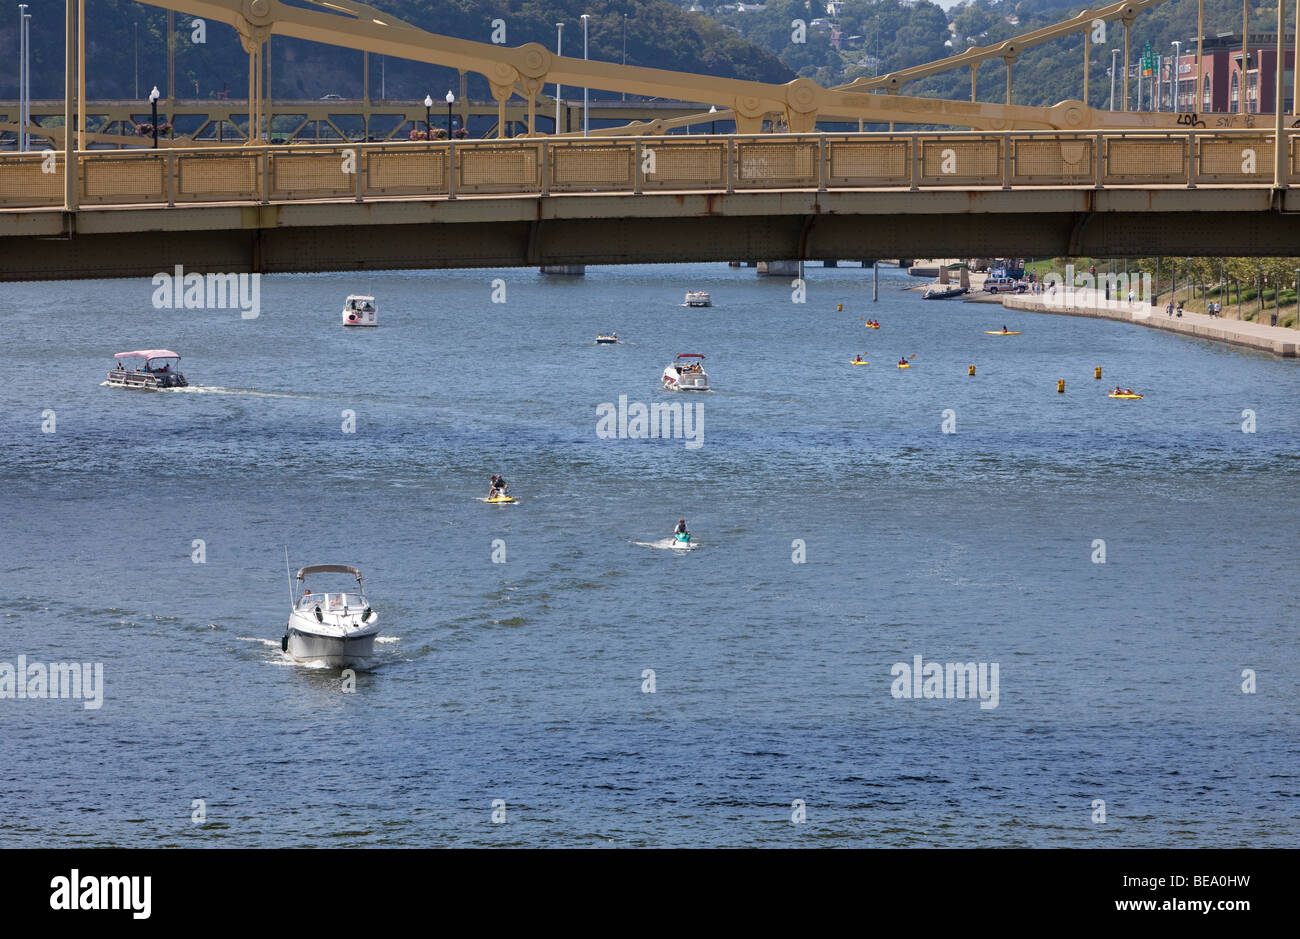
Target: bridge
point(1065, 179)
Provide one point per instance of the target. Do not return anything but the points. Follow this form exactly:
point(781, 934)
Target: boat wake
point(669, 543)
point(244, 392)
point(282, 659)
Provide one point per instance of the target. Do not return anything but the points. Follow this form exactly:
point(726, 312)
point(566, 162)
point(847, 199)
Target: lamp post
point(625, 48)
point(713, 124)
point(585, 91)
point(1114, 53)
point(1175, 69)
point(559, 51)
point(451, 99)
point(428, 116)
point(22, 76)
point(153, 102)
point(26, 109)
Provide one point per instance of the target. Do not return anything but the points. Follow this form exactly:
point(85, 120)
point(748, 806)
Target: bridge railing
point(545, 166)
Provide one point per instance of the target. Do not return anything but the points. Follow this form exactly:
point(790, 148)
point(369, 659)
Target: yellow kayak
point(869, 326)
point(499, 500)
point(998, 332)
point(904, 366)
point(1130, 397)
point(863, 362)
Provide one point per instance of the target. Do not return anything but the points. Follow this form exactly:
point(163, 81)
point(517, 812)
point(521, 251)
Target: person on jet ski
point(681, 527)
point(499, 487)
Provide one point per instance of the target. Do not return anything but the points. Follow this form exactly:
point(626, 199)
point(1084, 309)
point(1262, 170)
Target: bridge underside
point(509, 231)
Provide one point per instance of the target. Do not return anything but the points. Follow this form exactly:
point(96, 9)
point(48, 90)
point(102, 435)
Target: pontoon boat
point(606, 340)
point(697, 298)
point(686, 373)
point(148, 375)
point(333, 629)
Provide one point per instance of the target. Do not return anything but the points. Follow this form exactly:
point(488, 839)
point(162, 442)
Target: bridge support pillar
point(573, 270)
point(778, 268)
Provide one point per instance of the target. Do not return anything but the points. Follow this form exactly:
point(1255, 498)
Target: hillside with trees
point(659, 34)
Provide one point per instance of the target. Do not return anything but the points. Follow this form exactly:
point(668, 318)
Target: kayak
point(990, 332)
point(905, 366)
point(1130, 397)
point(499, 500)
point(863, 362)
point(869, 326)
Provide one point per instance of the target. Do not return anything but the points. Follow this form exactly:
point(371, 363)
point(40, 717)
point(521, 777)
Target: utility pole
point(586, 17)
point(559, 51)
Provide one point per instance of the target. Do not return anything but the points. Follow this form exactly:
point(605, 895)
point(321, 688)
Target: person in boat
point(1004, 327)
point(902, 361)
point(858, 357)
point(499, 487)
point(681, 528)
point(1128, 391)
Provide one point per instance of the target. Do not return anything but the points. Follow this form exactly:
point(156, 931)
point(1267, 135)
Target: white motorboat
point(603, 339)
point(149, 374)
point(333, 629)
point(686, 373)
point(697, 298)
point(360, 311)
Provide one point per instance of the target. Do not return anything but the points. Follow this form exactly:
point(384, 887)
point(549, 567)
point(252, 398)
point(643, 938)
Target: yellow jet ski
point(499, 500)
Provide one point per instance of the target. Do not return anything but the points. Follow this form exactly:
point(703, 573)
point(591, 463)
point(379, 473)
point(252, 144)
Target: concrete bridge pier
point(573, 270)
point(778, 268)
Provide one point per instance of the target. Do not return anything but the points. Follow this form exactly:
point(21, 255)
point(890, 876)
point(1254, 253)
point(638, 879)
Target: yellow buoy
point(1096, 372)
point(971, 370)
point(1060, 386)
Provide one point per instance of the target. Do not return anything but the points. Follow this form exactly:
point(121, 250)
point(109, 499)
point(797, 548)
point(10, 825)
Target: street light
point(713, 124)
point(585, 100)
point(451, 99)
point(625, 48)
point(428, 116)
point(1174, 86)
point(1114, 53)
point(559, 50)
point(25, 76)
point(153, 101)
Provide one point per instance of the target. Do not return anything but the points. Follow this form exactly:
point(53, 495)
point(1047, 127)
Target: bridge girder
point(525, 69)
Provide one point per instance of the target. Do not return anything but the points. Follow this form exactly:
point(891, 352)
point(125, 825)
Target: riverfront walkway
point(1275, 339)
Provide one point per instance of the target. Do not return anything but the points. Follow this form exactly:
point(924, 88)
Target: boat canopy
point(148, 354)
point(689, 355)
point(329, 569)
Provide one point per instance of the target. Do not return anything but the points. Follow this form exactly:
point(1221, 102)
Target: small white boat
point(360, 311)
point(697, 298)
point(686, 373)
point(606, 340)
point(332, 629)
point(148, 375)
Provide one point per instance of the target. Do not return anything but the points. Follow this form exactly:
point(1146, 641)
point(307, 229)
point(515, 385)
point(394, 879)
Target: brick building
point(1222, 75)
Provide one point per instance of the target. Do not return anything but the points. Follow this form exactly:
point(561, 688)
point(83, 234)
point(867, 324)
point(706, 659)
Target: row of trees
point(1239, 281)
